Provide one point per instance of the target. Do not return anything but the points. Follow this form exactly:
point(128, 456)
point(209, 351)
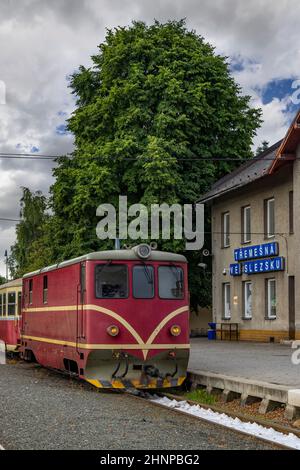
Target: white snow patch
point(1, 448)
point(253, 429)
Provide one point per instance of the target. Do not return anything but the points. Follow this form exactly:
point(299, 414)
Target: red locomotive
point(115, 318)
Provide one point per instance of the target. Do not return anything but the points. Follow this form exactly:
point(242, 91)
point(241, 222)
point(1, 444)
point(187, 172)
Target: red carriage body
point(112, 317)
point(10, 314)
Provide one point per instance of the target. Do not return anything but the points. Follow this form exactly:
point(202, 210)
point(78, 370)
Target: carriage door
point(81, 301)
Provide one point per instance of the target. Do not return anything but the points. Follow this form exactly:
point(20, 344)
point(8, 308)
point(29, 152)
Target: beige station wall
point(278, 186)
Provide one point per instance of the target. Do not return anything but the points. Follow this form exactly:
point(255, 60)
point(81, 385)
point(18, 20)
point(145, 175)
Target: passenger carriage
point(115, 318)
point(10, 314)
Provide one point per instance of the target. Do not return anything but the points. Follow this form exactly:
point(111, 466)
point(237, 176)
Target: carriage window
point(4, 305)
point(170, 282)
point(45, 289)
point(143, 282)
point(111, 281)
point(30, 290)
point(0, 305)
point(11, 303)
point(19, 303)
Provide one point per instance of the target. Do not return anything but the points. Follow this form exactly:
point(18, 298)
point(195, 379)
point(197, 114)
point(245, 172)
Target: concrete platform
point(252, 371)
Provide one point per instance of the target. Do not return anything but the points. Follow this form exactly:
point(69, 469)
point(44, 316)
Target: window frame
point(127, 278)
point(245, 315)
point(1, 310)
point(225, 286)
point(291, 212)
point(225, 232)
point(132, 280)
point(30, 291)
point(268, 233)
point(183, 282)
point(45, 289)
point(268, 304)
point(12, 303)
point(4, 305)
point(245, 210)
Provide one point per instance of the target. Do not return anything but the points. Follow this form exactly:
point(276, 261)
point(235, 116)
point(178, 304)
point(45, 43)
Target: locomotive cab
point(147, 323)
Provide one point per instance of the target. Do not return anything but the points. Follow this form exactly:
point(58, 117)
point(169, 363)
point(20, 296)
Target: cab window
point(111, 281)
point(11, 303)
point(170, 282)
point(143, 282)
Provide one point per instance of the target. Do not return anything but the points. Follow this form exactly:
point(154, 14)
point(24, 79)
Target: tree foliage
point(29, 233)
point(152, 112)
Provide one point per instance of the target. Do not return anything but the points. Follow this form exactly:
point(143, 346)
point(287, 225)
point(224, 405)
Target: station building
point(256, 243)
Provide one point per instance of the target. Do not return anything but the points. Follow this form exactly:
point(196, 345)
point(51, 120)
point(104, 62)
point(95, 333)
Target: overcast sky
point(43, 41)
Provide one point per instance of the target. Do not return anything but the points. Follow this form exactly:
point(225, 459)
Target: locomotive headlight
point(143, 250)
point(175, 330)
point(113, 330)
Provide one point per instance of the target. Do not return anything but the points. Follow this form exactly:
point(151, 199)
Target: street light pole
point(6, 262)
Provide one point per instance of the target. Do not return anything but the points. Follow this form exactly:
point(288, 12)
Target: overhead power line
point(35, 156)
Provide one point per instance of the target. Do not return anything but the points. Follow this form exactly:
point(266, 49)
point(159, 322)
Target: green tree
point(152, 112)
point(262, 148)
point(2, 280)
point(30, 234)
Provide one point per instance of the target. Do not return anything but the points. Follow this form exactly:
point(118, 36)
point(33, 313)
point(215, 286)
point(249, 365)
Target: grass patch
point(200, 395)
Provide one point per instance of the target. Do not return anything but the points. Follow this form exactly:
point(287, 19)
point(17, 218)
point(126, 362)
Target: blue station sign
point(264, 265)
point(256, 251)
point(258, 266)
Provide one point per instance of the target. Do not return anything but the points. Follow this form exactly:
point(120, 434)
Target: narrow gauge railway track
point(145, 396)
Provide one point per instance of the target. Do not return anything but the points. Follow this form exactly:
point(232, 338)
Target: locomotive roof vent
point(143, 250)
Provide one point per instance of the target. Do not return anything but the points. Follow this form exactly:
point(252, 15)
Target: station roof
point(13, 283)
point(250, 171)
point(113, 255)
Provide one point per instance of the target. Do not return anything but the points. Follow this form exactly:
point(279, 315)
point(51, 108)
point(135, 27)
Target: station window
point(226, 301)
point(143, 282)
point(11, 303)
point(0, 305)
point(246, 224)
point(30, 288)
point(170, 282)
point(269, 211)
point(291, 212)
point(247, 299)
point(271, 299)
point(111, 281)
point(225, 229)
point(45, 289)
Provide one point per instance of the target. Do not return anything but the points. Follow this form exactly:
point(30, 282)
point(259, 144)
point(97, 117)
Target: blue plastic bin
point(212, 325)
point(211, 334)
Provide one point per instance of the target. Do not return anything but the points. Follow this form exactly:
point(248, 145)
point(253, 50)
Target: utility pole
point(6, 262)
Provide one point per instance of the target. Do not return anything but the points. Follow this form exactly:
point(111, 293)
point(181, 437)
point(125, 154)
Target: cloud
point(44, 42)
